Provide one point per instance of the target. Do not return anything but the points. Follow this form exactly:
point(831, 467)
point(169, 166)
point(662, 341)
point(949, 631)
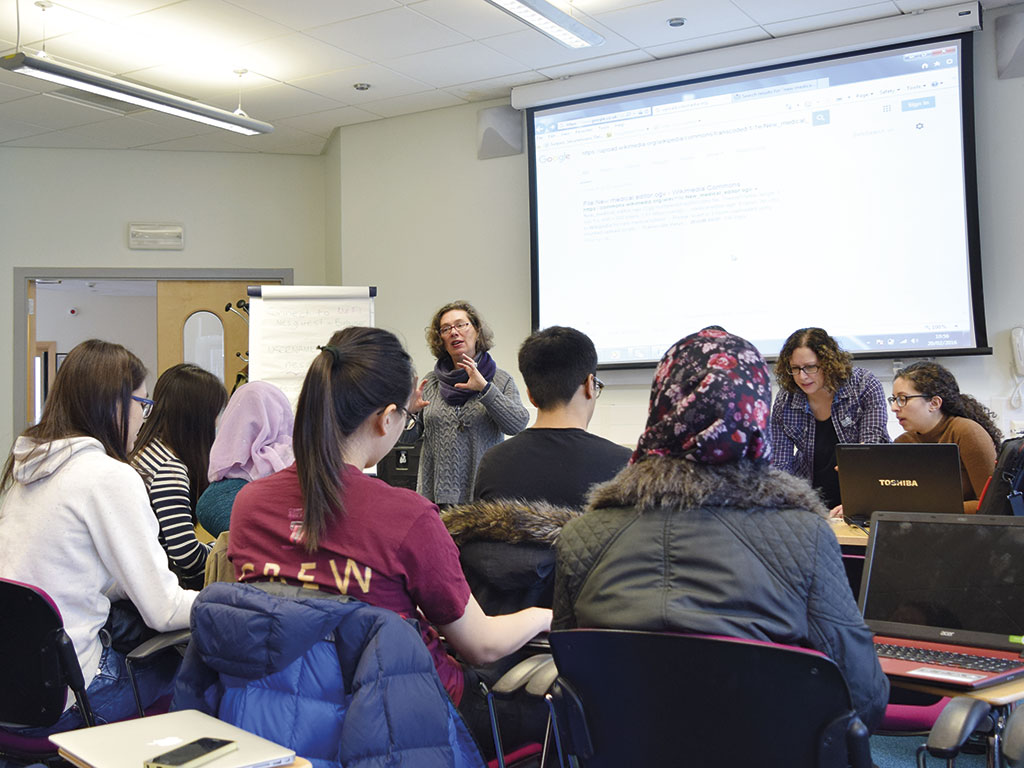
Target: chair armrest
point(520, 674)
point(542, 679)
point(160, 642)
point(958, 720)
point(1013, 739)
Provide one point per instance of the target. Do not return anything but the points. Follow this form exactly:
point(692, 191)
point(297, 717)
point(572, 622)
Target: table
point(849, 536)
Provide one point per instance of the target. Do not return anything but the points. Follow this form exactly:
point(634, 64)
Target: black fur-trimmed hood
point(512, 521)
point(668, 482)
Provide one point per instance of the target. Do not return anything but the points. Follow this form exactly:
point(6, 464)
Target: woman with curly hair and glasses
point(467, 403)
point(822, 401)
point(929, 405)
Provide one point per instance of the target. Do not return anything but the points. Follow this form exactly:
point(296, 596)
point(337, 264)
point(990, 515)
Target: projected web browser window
point(830, 193)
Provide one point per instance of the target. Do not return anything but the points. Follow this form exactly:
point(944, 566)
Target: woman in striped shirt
point(173, 454)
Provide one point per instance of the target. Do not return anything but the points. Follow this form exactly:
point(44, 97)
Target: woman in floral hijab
point(700, 534)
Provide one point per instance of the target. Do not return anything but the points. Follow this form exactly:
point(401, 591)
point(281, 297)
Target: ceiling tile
point(198, 26)
point(495, 87)
point(473, 18)
point(388, 34)
point(12, 91)
point(450, 66)
point(275, 101)
point(59, 140)
point(197, 84)
point(646, 25)
point(537, 51)
point(384, 83)
point(11, 130)
point(121, 133)
point(771, 11)
point(834, 19)
point(293, 56)
point(284, 140)
point(217, 142)
point(722, 40)
point(417, 102)
point(312, 13)
point(50, 113)
point(591, 7)
point(324, 123)
point(596, 65)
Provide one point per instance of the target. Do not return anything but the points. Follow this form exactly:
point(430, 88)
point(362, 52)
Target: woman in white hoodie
point(76, 522)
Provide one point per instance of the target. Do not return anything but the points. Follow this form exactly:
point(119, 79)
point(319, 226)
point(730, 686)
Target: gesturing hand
point(476, 380)
point(418, 403)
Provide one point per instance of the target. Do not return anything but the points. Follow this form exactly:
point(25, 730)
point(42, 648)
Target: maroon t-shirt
point(389, 549)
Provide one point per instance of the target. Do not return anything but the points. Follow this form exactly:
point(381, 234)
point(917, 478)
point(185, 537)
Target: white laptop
point(129, 743)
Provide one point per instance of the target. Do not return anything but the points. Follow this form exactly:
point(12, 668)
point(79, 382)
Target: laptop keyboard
point(948, 658)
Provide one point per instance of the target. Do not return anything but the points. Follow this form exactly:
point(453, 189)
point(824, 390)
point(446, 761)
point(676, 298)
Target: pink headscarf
point(255, 435)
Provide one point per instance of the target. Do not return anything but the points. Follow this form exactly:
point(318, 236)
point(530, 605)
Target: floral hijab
point(709, 401)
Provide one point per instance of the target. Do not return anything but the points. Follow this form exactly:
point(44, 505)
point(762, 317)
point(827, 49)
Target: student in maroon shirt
point(323, 524)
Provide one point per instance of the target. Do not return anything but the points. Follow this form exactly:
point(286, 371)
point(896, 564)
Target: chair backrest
point(37, 658)
point(644, 698)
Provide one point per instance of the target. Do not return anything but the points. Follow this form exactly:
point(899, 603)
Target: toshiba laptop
point(129, 743)
point(899, 477)
point(940, 588)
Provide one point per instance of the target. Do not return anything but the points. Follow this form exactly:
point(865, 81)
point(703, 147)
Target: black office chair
point(1013, 739)
point(646, 698)
point(38, 665)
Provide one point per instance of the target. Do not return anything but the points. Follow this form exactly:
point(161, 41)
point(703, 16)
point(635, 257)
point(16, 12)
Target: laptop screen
point(899, 477)
point(946, 578)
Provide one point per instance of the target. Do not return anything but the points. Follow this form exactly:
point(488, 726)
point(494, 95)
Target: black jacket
point(740, 550)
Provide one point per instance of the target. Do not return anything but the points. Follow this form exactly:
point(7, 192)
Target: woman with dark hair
point(254, 441)
point(822, 401)
point(700, 534)
point(75, 521)
point(467, 404)
point(929, 405)
point(324, 524)
point(172, 455)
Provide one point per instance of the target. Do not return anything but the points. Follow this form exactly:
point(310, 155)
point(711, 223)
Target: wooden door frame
point(22, 276)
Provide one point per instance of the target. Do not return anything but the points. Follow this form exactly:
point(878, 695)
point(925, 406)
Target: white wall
point(70, 208)
point(127, 320)
point(428, 222)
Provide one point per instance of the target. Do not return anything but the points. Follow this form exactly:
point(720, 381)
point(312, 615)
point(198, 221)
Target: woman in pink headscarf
point(254, 440)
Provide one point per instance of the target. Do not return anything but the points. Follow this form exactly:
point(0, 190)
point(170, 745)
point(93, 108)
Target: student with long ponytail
point(324, 524)
point(931, 408)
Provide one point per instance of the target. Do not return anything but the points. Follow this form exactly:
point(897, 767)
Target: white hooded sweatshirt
point(78, 524)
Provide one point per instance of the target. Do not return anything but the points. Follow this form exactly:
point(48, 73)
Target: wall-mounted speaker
point(499, 132)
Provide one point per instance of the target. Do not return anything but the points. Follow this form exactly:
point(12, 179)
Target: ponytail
point(357, 373)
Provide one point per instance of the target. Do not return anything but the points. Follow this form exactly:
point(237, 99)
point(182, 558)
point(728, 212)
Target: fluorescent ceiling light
point(123, 90)
point(553, 22)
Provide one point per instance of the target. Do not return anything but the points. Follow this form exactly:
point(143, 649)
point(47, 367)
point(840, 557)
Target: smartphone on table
point(193, 754)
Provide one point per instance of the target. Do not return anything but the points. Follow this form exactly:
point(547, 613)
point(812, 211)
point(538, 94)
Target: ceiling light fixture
point(133, 93)
point(553, 22)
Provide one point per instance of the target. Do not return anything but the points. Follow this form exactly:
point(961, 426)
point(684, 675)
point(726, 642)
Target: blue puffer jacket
point(341, 682)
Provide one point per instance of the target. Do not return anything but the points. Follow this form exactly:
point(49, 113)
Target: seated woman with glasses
point(324, 524)
point(929, 405)
point(75, 521)
point(822, 401)
point(173, 457)
point(467, 404)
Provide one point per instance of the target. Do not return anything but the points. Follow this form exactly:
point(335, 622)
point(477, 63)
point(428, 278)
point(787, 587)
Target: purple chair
point(38, 665)
point(648, 698)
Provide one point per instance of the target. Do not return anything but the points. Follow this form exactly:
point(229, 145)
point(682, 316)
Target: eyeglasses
point(461, 326)
point(901, 400)
point(598, 387)
point(146, 403)
point(810, 370)
point(412, 420)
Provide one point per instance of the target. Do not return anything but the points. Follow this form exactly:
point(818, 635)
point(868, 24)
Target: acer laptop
point(938, 589)
point(129, 743)
point(899, 477)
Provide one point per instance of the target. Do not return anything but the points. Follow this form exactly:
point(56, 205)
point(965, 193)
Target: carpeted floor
point(901, 751)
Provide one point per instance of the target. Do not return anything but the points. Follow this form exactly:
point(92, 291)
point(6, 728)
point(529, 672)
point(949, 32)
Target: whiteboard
point(288, 322)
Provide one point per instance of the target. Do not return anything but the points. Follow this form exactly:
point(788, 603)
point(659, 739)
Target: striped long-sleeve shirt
point(166, 479)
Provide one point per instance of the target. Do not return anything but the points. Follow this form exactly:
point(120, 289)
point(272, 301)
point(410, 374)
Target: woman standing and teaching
point(465, 404)
point(822, 401)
